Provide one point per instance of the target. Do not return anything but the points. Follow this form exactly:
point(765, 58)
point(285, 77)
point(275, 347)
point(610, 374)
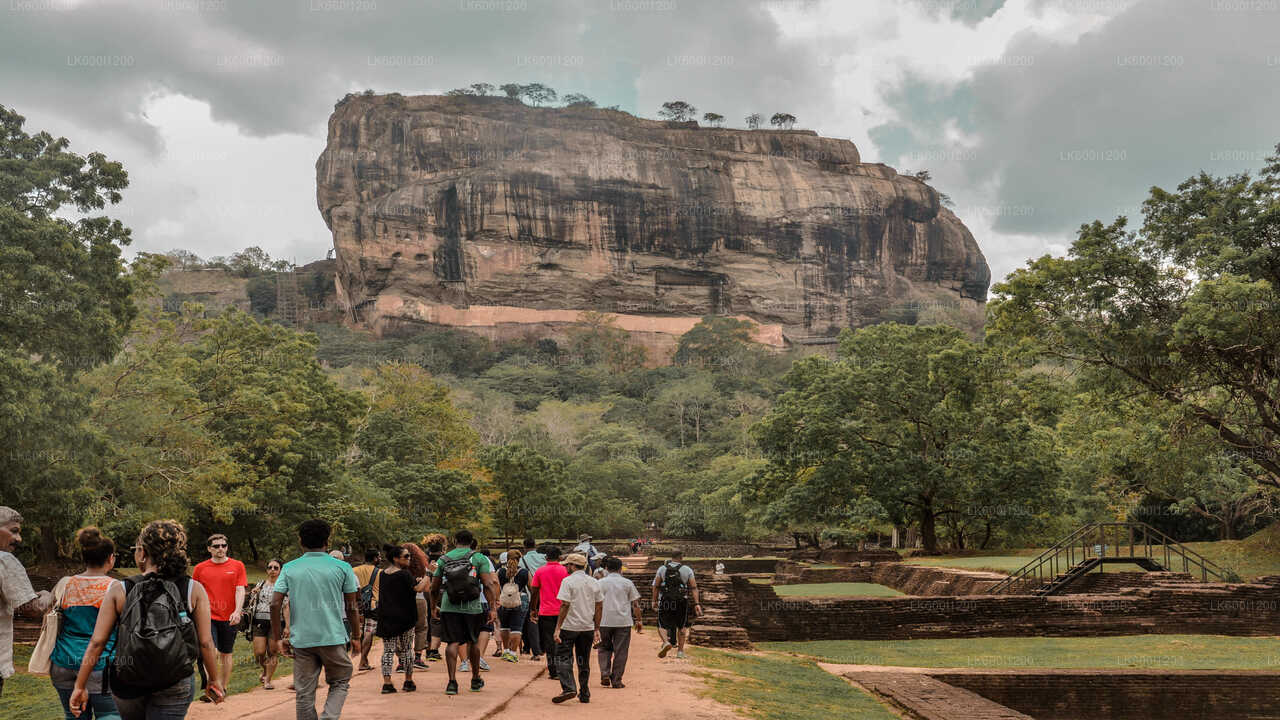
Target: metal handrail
point(1051, 555)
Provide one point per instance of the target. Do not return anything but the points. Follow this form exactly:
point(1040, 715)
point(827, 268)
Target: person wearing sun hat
point(581, 603)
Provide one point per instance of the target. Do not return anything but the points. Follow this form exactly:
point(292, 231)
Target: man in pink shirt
point(544, 606)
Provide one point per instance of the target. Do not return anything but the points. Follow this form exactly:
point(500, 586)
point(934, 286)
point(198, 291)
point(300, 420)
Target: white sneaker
point(680, 654)
point(464, 666)
point(484, 666)
point(666, 648)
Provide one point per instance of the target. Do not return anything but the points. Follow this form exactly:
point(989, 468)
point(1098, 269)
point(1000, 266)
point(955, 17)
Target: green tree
point(530, 490)
point(537, 94)
point(578, 100)
point(716, 341)
point(915, 419)
point(1183, 311)
point(783, 120)
point(753, 121)
point(65, 305)
point(597, 339)
point(713, 119)
point(677, 111)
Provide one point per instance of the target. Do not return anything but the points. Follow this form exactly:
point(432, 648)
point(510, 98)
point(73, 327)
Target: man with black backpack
point(673, 586)
point(460, 611)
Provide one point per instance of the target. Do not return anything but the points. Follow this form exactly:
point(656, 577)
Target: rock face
point(483, 213)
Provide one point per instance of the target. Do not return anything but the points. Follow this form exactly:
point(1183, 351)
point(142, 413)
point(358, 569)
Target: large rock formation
point(483, 213)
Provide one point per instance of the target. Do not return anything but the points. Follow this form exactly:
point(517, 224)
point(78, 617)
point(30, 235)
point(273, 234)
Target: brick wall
point(1112, 582)
point(1218, 609)
point(1127, 695)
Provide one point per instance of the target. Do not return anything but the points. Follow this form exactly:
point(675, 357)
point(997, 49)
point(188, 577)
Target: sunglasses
point(215, 547)
point(273, 567)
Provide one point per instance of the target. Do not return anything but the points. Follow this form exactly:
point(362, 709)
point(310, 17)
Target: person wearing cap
point(581, 604)
point(587, 550)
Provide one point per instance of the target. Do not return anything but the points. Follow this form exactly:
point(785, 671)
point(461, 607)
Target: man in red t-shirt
point(224, 581)
point(544, 606)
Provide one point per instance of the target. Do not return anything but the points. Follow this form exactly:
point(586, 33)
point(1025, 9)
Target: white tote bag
point(39, 664)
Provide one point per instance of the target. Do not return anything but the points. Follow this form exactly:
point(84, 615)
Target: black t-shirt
point(397, 604)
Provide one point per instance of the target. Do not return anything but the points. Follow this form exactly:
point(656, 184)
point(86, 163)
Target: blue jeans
point(100, 706)
point(170, 703)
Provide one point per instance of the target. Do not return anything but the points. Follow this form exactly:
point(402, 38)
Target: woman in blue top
point(82, 596)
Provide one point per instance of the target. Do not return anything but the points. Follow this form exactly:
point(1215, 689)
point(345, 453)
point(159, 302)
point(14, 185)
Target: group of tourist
point(131, 648)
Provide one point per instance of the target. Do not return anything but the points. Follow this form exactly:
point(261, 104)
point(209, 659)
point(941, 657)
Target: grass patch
point(843, 589)
point(1173, 652)
point(773, 687)
point(32, 697)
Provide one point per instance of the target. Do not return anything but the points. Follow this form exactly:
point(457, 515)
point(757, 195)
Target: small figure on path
point(265, 652)
point(459, 609)
point(673, 586)
point(319, 588)
point(581, 601)
point(620, 611)
point(224, 579)
point(544, 604)
point(398, 614)
point(366, 575)
point(513, 604)
point(587, 550)
point(531, 561)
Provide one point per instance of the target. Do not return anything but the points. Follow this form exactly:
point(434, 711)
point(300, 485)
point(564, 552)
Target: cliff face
point(487, 214)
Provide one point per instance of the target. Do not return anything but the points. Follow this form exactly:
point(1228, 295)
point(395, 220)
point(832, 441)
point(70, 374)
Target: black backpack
point(156, 641)
point(365, 599)
point(673, 587)
point(458, 582)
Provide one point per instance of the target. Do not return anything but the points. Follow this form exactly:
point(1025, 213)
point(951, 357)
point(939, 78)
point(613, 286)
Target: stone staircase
point(718, 627)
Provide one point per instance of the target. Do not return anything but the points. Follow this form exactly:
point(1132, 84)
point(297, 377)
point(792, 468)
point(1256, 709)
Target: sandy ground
point(520, 691)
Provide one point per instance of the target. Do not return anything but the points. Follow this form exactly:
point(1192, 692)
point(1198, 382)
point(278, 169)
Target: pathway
point(519, 691)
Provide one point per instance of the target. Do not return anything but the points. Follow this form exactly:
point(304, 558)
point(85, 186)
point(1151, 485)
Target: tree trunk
point(253, 550)
point(928, 529)
point(48, 552)
point(986, 538)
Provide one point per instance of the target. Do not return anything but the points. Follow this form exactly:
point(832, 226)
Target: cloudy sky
point(1034, 115)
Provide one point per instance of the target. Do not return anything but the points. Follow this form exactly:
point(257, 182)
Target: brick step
point(719, 637)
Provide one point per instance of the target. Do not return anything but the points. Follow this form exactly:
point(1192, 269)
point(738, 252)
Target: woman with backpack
point(265, 652)
point(161, 621)
point(398, 614)
point(513, 604)
point(79, 599)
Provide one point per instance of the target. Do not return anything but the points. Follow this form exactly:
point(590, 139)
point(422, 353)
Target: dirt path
point(519, 691)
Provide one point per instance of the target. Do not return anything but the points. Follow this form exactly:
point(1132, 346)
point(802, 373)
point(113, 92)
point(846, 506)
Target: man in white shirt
point(581, 603)
point(16, 593)
point(621, 610)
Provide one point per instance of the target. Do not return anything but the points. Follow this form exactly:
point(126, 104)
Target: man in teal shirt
point(318, 586)
point(462, 620)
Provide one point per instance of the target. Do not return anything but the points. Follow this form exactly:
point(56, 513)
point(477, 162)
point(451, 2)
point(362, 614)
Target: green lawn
point(1174, 652)
point(774, 687)
point(31, 697)
point(840, 589)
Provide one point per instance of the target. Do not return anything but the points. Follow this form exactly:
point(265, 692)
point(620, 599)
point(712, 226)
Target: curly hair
point(165, 543)
point(435, 542)
point(417, 560)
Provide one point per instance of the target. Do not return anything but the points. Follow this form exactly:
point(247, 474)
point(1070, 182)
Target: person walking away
point(224, 579)
point(673, 585)
point(318, 587)
point(486, 630)
point(619, 613)
point(581, 603)
point(418, 562)
point(587, 550)
point(16, 593)
point(366, 578)
point(265, 652)
point(397, 615)
point(455, 597)
point(82, 595)
point(434, 546)
point(530, 562)
point(160, 619)
point(544, 604)
point(513, 604)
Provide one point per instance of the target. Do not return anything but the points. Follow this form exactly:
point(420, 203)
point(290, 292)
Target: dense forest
point(1135, 378)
